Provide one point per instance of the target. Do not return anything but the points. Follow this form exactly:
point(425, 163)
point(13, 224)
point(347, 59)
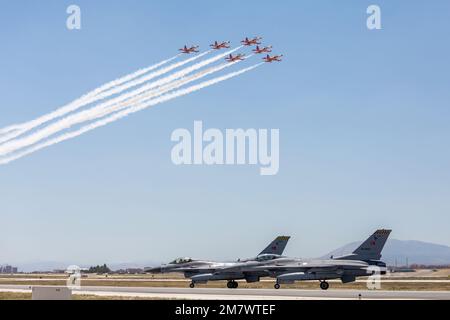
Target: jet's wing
point(319, 266)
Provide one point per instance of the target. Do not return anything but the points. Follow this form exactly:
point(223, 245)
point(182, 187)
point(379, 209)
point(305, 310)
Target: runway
point(247, 294)
point(187, 281)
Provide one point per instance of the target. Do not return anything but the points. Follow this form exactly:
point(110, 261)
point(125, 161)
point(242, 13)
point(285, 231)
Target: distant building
point(8, 269)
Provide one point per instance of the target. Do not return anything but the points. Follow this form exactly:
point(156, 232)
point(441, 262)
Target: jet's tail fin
point(277, 246)
point(372, 247)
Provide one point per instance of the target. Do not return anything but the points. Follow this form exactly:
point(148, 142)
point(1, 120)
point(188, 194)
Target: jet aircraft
point(202, 271)
point(270, 59)
point(238, 57)
point(192, 49)
point(251, 42)
point(364, 261)
point(259, 50)
point(223, 45)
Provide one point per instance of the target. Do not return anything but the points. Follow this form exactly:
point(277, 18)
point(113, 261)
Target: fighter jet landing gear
point(277, 286)
point(192, 285)
point(232, 284)
point(324, 285)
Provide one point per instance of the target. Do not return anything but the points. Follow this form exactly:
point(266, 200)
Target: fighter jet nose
point(153, 270)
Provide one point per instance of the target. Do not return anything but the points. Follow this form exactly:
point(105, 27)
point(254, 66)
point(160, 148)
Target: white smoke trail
point(96, 95)
point(149, 77)
point(153, 93)
point(7, 130)
point(130, 77)
point(124, 113)
point(99, 110)
point(14, 131)
point(166, 70)
point(65, 109)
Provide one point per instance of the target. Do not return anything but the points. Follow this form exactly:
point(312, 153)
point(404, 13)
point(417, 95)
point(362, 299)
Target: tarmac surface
point(246, 294)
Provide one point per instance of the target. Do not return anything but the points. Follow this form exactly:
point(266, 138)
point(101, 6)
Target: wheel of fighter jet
point(235, 284)
point(192, 285)
point(230, 285)
point(324, 285)
point(277, 286)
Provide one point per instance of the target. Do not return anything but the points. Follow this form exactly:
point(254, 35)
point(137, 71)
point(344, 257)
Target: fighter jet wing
point(315, 266)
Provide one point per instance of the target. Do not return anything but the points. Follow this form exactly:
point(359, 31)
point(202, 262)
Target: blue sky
point(363, 118)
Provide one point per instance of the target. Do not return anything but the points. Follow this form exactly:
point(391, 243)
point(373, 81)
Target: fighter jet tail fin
point(372, 247)
point(277, 246)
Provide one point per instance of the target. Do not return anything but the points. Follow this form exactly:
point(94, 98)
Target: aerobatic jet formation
point(15, 147)
point(247, 42)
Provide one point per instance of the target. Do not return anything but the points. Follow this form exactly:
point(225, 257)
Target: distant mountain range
point(401, 252)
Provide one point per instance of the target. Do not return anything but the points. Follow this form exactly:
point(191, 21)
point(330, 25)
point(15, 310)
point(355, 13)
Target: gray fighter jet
point(202, 271)
point(364, 261)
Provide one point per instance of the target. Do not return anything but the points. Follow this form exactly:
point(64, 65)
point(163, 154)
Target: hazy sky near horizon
point(363, 118)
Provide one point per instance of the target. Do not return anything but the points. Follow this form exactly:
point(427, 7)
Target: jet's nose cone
point(153, 270)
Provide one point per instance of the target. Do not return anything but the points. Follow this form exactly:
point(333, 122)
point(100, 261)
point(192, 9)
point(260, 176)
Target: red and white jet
point(222, 45)
point(238, 57)
point(259, 50)
point(251, 42)
point(186, 50)
point(270, 59)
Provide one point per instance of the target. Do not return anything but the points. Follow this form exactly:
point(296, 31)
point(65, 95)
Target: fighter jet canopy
point(181, 261)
